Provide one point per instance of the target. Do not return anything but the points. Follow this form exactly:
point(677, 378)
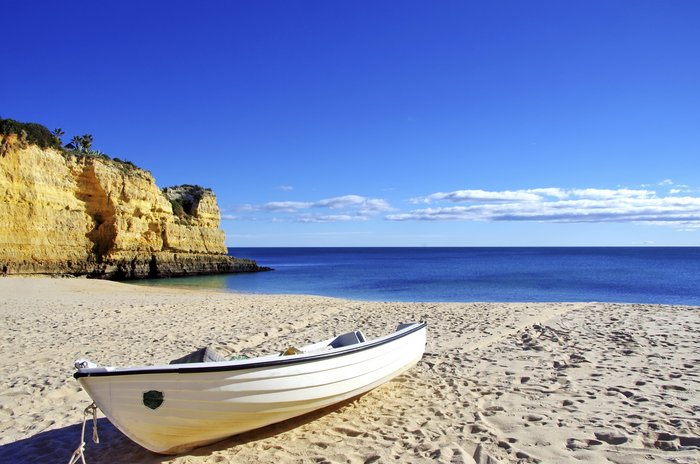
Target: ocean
point(636, 275)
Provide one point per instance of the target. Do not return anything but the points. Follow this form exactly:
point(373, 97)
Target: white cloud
point(559, 205)
point(479, 196)
point(309, 218)
point(610, 193)
point(538, 194)
point(678, 208)
point(346, 208)
point(320, 218)
point(284, 206)
point(285, 188)
point(549, 192)
point(340, 202)
point(375, 205)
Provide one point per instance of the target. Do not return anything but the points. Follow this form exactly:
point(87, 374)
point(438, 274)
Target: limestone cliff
point(86, 215)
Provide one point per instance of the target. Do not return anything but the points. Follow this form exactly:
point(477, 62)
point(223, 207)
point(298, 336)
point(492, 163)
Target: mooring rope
point(79, 453)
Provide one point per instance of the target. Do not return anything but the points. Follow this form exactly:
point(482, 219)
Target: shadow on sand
point(57, 445)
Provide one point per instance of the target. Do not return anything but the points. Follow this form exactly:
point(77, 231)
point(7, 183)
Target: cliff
point(87, 215)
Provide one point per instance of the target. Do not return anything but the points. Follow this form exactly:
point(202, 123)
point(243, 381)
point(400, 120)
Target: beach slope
point(516, 382)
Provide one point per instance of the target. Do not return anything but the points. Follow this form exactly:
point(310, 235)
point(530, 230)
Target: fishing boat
point(202, 398)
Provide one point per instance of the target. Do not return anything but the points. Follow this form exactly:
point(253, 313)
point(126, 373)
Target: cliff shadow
point(58, 445)
point(100, 207)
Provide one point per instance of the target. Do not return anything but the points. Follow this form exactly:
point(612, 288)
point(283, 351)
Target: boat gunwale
point(244, 365)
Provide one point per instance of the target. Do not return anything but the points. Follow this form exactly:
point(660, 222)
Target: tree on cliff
point(74, 143)
point(86, 142)
point(81, 143)
point(29, 132)
point(58, 133)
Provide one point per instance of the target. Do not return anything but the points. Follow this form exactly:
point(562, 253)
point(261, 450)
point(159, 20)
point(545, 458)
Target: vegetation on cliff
point(31, 133)
point(185, 199)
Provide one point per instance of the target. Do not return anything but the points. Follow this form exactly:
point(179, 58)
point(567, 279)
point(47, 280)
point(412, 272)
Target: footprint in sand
point(503, 444)
point(667, 442)
point(674, 387)
point(611, 438)
point(348, 431)
point(575, 443)
point(477, 429)
point(690, 441)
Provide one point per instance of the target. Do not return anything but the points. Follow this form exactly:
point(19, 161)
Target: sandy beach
point(516, 382)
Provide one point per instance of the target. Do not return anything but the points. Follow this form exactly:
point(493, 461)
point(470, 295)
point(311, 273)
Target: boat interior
point(209, 354)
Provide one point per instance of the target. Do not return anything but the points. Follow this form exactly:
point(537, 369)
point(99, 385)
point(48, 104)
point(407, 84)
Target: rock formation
point(87, 215)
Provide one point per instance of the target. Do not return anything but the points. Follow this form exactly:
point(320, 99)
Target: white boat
point(173, 408)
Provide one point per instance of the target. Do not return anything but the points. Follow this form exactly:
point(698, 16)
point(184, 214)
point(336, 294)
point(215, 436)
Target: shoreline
point(165, 285)
point(513, 381)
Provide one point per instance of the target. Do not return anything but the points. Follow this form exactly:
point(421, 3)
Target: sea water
point(639, 275)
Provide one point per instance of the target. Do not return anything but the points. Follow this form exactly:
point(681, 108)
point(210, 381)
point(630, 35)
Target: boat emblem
point(153, 399)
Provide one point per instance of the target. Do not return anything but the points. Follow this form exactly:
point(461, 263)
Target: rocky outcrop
point(83, 215)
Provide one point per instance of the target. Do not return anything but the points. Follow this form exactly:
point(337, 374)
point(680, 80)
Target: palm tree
point(76, 143)
point(86, 142)
point(58, 133)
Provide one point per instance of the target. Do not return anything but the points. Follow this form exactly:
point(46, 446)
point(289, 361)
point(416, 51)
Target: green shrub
point(30, 132)
point(178, 208)
point(80, 145)
point(194, 189)
point(184, 200)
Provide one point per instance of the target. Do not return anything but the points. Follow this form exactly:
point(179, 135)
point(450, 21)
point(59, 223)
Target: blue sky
point(338, 123)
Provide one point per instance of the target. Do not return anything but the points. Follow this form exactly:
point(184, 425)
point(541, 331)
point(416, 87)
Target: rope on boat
point(79, 453)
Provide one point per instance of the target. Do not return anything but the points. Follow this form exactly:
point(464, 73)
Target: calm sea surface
point(640, 275)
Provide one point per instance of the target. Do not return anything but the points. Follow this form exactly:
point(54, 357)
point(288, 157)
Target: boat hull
point(199, 407)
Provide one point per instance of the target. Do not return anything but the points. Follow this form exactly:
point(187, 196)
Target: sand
point(544, 382)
